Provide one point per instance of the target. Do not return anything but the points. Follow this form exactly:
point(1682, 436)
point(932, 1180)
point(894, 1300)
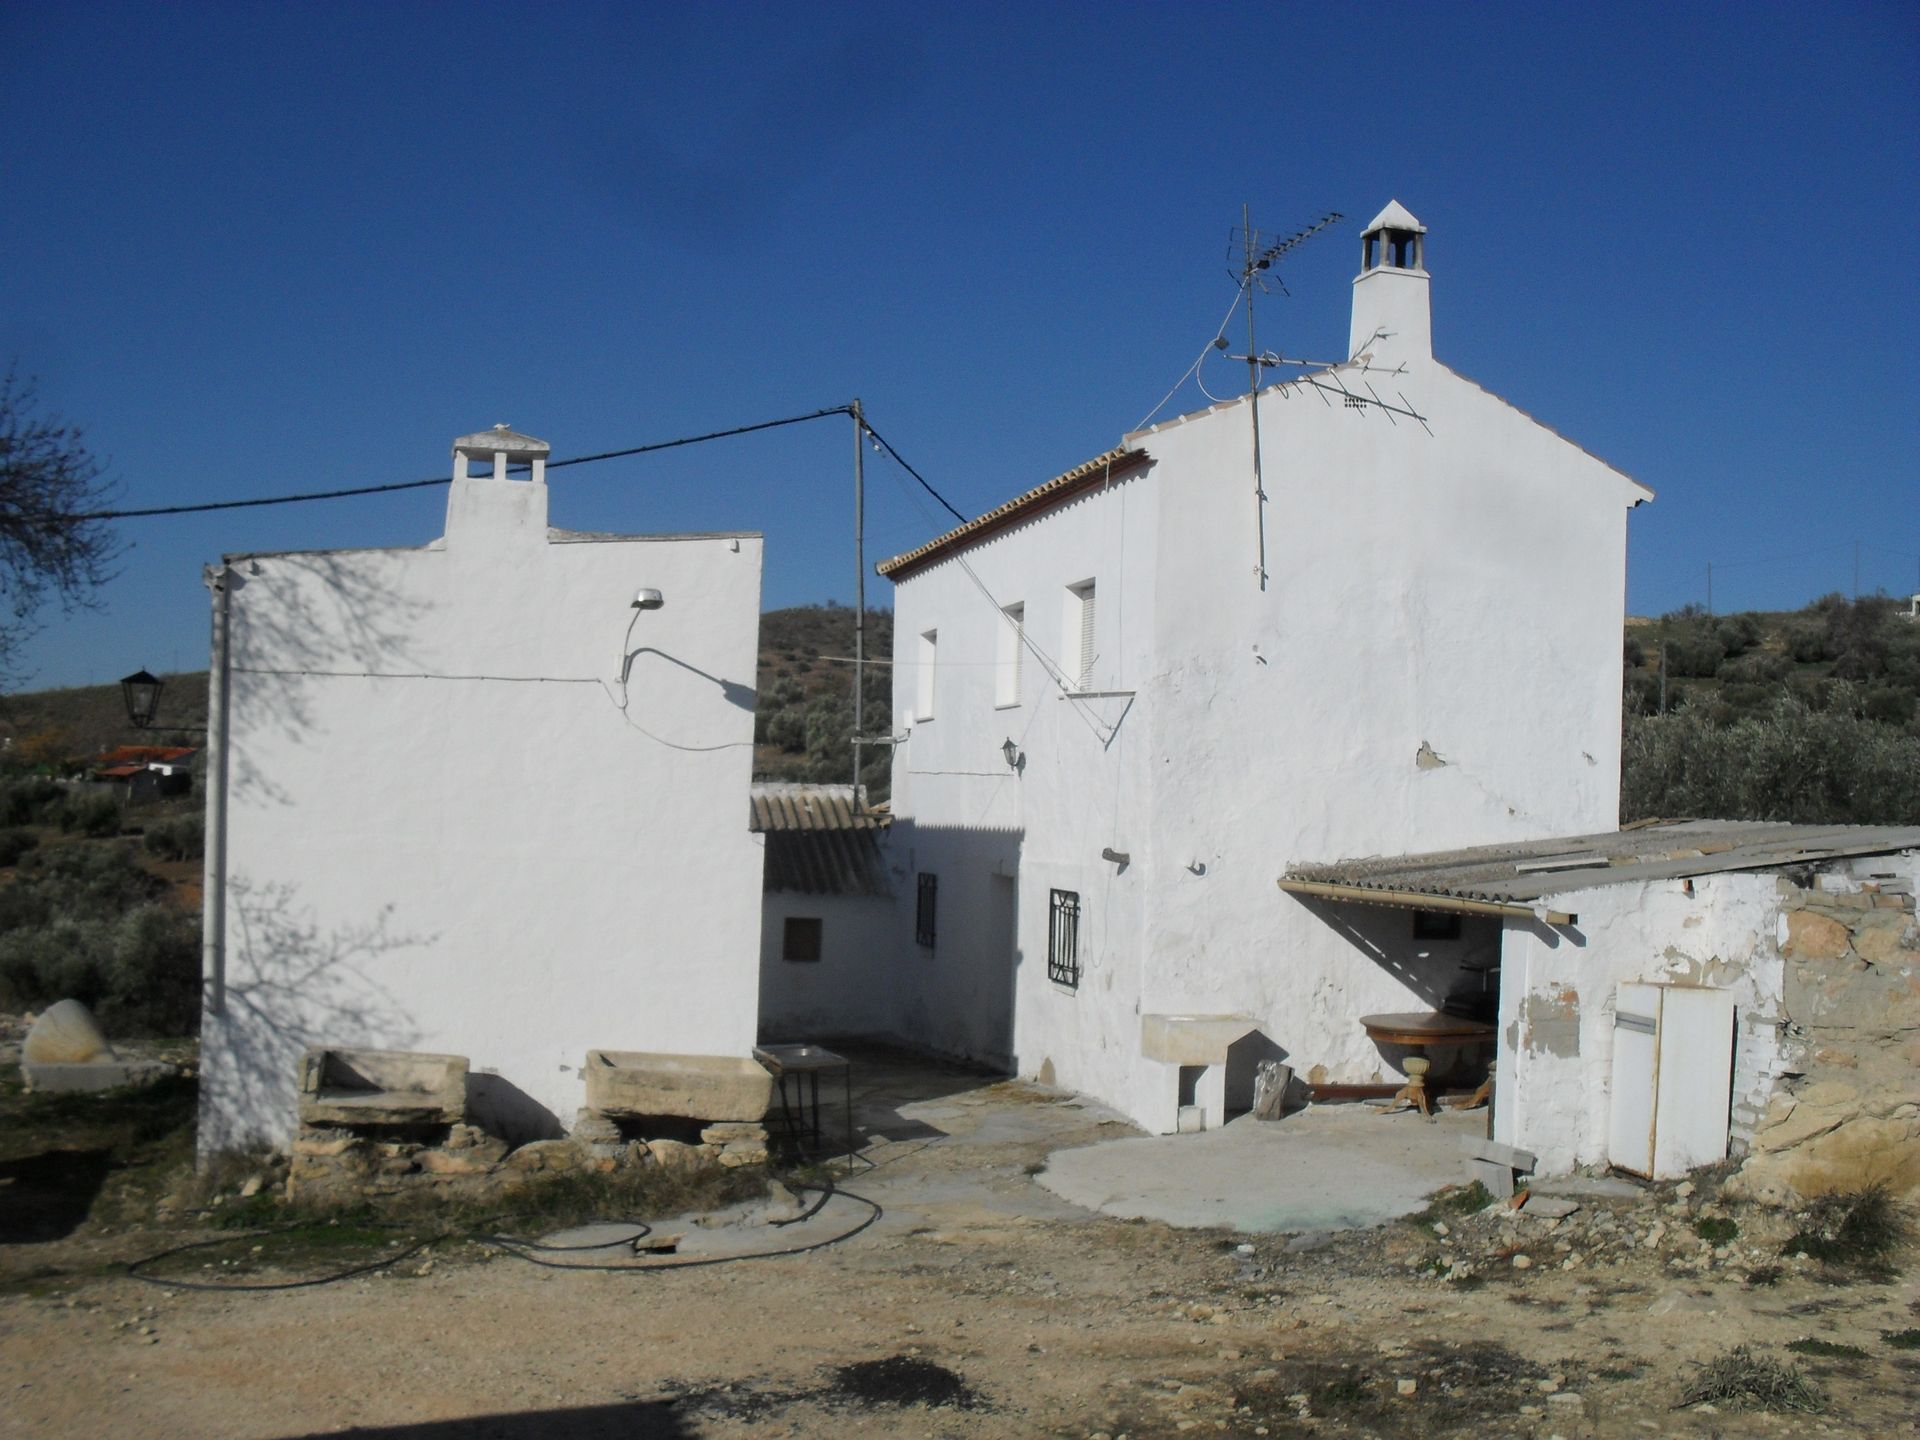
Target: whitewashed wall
point(1558, 989)
point(1433, 662)
point(853, 989)
point(447, 834)
point(1001, 839)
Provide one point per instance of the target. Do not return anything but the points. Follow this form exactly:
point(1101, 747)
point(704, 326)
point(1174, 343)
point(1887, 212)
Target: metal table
point(800, 1111)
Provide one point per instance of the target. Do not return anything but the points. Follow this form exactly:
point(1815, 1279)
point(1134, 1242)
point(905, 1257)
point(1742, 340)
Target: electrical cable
point(507, 1245)
point(388, 489)
point(1193, 369)
point(882, 441)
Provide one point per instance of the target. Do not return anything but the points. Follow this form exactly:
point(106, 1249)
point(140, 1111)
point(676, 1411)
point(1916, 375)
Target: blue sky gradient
point(254, 249)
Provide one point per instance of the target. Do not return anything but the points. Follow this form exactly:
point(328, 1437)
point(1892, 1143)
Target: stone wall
point(341, 1165)
point(1845, 1113)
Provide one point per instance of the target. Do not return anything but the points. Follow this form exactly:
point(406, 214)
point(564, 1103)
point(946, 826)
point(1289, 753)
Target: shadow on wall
point(960, 989)
point(335, 616)
point(502, 1108)
point(289, 986)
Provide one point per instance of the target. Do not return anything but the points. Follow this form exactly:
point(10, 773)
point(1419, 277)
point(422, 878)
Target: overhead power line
point(396, 486)
point(881, 441)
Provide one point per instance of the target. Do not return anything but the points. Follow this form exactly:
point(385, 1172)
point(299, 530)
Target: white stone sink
point(1192, 1039)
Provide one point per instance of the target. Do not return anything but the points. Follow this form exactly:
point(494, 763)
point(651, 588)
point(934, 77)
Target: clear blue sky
point(263, 248)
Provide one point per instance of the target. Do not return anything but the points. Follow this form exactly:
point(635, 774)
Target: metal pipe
point(859, 590)
point(1416, 900)
point(213, 915)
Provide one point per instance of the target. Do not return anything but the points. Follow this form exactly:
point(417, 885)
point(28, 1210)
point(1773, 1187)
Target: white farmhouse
point(487, 797)
point(1135, 696)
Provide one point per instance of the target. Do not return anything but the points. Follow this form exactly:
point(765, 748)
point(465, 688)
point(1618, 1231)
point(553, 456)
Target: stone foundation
point(336, 1164)
point(1846, 1114)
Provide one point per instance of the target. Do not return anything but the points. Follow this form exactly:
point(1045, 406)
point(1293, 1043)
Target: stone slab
point(1192, 1039)
point(93, 1075)
point(1478, 1148)
point(341, 1086)
point(1497, 1178)
point(1549, 1207)
point(692, 1087)
point(1596, 1187)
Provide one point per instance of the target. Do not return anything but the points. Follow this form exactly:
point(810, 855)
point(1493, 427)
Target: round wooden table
point(1417, 1029)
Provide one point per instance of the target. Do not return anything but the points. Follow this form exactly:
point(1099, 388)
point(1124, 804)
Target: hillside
point(804, 721)
point(1810, 714)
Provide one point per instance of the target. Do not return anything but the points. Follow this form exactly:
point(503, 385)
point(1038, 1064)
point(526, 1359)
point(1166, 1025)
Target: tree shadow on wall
point(337, 617)
point(289, 985)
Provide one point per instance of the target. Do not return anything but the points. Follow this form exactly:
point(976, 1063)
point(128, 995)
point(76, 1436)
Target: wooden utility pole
point(859, 592)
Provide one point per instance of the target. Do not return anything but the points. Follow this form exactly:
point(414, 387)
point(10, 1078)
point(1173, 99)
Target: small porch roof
point(1516, 880)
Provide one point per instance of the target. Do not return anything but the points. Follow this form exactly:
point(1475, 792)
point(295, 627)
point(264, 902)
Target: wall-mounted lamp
point(1012, 753)
point(141, 691)
point(649, 600)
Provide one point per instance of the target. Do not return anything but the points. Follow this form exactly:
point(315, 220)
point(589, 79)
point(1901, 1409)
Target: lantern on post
point(141, 691)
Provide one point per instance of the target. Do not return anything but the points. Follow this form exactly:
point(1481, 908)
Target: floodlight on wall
point(649, 600)
point(141, 691)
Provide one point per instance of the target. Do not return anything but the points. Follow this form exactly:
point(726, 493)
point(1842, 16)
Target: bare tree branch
point(47, 476)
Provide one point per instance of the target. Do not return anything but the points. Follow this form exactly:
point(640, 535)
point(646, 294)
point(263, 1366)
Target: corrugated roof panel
point(818, 842)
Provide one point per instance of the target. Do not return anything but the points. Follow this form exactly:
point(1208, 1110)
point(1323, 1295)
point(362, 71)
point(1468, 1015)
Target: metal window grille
point(925, 904)
point(1063, 939)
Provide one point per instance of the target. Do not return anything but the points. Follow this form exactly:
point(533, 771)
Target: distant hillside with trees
point(1809, 715)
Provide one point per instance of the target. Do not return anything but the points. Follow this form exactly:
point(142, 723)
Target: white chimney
point(1392, 316)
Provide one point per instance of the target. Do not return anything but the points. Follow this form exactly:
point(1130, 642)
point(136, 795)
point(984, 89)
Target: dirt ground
point(977, 1305)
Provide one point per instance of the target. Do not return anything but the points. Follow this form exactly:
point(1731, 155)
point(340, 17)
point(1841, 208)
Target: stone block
point(732, 1130)
point(590, 1127)
point(65, 1034)
point(382, 1087)
point(676, 1155)
point(691, 1087)
point(546, 1156)
point(1881, 944)
point(743, 1152)
point(1497, 1178)
point(455, 1162)
point(1496, 1153)
point(326, 1144)
point(1815, 937)
point(83, 1076)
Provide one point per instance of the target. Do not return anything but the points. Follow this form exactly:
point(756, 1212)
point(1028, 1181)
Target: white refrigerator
point(1672, 1078)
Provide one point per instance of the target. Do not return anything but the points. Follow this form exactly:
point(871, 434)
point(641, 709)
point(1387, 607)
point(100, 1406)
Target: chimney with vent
point(492, 501)
point(1392, 319)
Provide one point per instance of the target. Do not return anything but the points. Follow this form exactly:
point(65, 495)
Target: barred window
point(925, 904)
point(1063, 939)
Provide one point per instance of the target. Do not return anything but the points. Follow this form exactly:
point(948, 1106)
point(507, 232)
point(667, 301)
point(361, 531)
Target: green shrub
point(15, 843)
point(139, 972)
point(97, 815)
point(33, 798)
point(1797, 764)
point(181, 838)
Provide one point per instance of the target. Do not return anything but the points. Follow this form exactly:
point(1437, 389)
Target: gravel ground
point(982, 1305)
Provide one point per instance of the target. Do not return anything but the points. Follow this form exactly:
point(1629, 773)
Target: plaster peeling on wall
point(1552, 1021)
point(1426, 758)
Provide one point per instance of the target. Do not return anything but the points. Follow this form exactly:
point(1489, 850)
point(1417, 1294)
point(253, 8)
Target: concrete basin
point(382, 1087)
point(1192, 1039)
point(693, 1087)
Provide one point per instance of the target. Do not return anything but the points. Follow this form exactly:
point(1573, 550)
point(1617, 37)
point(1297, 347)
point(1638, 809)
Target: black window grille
point(1063, 939)
point(925, 904)
point(801, 940)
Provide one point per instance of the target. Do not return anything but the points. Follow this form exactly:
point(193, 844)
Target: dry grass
point(1741, 1380)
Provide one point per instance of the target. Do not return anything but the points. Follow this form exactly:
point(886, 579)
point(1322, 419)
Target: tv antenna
point(1258, 253)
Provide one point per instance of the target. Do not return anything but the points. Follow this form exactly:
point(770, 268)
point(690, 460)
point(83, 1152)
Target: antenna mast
point(1256, 261)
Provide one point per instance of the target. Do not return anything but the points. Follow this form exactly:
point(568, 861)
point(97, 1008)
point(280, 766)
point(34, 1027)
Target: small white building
point(473, 798)
point(1133, 697)
point(829, 939)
